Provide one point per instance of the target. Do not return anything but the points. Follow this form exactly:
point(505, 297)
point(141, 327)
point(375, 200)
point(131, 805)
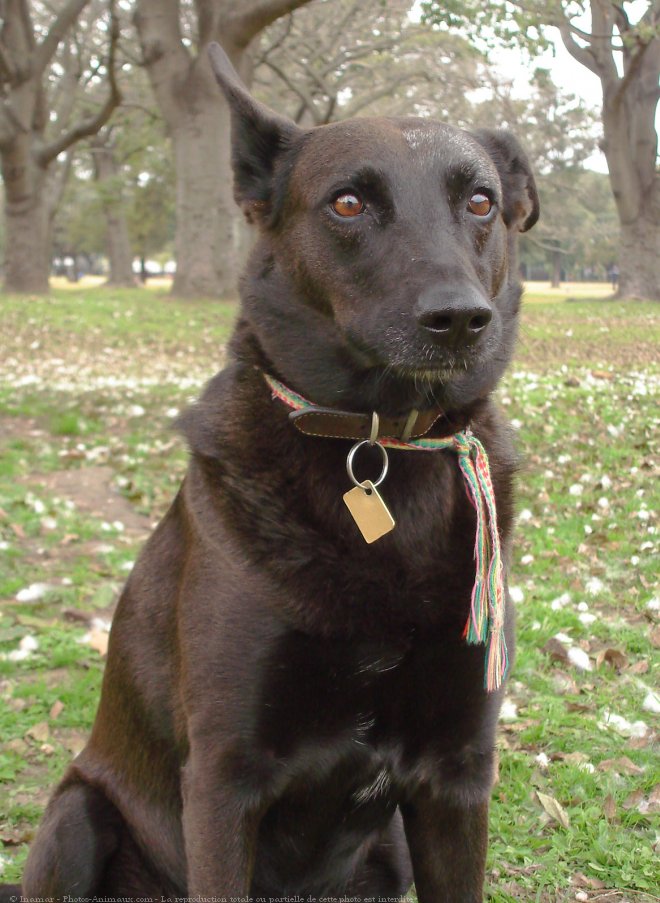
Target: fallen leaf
point(633, 800)
point(14, 837)
point(75, 742)
point(613, 657)
point(575, 758)
point(640, 667)
point(39, 732)
point(654, 800)
point(609, 808)
point(554, 809)
point(577, 707)
point(56, 709)
point(564, 684)
point(98, 640)
point(582, 880)
point(622, 765)
point(556, 650)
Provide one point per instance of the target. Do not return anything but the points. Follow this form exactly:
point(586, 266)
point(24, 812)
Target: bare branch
point(46, 50)
point(243, 26)
point(92, 124)
point(306, 99)
point(583, 55)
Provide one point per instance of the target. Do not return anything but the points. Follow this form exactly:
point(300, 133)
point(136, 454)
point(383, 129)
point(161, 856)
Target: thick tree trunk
point(27, 248)
point(206, 247)
point(118, 245)
point(210, 242)
point(639, 263)
point(27, 220)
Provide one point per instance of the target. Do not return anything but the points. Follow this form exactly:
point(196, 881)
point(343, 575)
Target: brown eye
point(479, 204)
point(348, 205)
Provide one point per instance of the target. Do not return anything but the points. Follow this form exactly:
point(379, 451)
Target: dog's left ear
point(521, 200)
point(258, 137)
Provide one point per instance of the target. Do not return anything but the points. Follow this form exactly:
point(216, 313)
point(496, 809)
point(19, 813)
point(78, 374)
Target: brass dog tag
point(369, 511)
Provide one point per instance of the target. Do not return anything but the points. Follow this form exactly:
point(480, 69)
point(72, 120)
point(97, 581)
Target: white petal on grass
point(542, 761)
point(33, 592)
point(582, 606)
point(516, 594)
point(622, 726)
point(563, 638)
point(594, 586)
point(579, 659)
point(652, 703)
point(525, 515)
point(509, 710)
point(527, 559)
point(4, 545)
point(586, 618)
point(653, 604)
point(560, 602)
point(576, 489)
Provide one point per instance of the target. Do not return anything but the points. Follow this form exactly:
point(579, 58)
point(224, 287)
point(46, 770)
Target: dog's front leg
point(447, 843)
point(220, 825)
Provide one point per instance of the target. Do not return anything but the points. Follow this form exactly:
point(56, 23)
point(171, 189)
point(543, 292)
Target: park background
point(122, 248)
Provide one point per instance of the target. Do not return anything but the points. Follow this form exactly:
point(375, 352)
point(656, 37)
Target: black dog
point(286, 709)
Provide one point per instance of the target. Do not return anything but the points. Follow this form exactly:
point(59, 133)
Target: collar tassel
point(485, 624)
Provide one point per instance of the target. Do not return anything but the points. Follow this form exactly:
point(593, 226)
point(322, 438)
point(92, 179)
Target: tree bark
point(26, 157)
point(639, 264)
point(207, 252)
point(118, 245)
point(209, 237)
point(556, 269)
point(27, 250)
point(630, 140)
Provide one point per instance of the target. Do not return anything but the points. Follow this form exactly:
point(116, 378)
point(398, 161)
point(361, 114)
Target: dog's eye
point(348, 204)
point(479, 204)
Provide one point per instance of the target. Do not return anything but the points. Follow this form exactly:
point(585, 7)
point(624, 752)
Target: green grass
point(90, 382)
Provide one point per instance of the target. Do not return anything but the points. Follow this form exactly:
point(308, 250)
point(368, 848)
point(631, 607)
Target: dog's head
point(383, 275)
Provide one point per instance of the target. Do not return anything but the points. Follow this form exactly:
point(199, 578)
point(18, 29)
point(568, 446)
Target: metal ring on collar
point(351, 456)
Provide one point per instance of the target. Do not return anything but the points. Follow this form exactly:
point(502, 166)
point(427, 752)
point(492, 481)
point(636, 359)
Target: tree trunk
point(27, 226)
point(27, 257)
point(639, 264)
point(556, 269)
point(206, 247)
point(209, 241)
point(118, 245)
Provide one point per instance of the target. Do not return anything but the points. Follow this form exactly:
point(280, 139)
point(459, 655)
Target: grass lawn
point(90, 381)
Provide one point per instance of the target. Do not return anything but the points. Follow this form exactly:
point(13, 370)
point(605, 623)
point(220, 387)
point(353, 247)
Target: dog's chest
point(373, 711)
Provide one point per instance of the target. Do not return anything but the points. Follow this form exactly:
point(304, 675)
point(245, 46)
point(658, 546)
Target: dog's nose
point(454, 322)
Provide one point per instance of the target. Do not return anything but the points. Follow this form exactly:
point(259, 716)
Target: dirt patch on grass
point(92, 491)
point(19, 428)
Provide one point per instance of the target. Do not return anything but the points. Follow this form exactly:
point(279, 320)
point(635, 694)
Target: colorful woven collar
point(485, 623)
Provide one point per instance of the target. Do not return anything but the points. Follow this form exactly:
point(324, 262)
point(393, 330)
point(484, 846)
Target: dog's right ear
point(258, 137)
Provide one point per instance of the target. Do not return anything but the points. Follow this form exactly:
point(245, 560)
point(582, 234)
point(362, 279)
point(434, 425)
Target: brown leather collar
point(331, 423)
